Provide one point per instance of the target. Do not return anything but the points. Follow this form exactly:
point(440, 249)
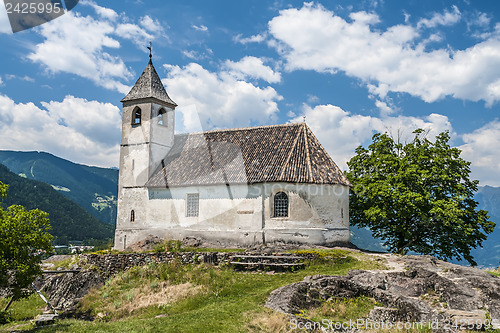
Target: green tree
point(24, 237)
point(417, 197)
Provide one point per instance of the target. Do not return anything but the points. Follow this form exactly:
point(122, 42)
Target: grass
point(21, 312)
point(496, 273)
point(341, 310)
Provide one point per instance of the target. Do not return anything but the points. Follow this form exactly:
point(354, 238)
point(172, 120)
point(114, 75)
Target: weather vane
point(150, 50)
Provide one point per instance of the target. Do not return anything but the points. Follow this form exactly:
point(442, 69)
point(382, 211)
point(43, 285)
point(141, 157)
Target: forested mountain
point(489, 199)
point(69, 221)
point(95, 189)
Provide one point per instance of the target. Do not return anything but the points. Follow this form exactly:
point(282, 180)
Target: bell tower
point(147, 129)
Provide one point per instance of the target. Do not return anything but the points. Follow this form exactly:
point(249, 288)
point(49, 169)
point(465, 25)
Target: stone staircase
point(276, 262)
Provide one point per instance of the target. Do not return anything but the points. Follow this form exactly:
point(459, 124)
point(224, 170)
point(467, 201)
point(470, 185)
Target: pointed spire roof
point(149, 86)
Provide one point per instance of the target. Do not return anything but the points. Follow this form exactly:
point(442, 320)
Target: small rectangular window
point(192, 204)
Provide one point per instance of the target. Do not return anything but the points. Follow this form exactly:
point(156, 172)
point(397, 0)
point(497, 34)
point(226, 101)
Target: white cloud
point(1, 82)
point(314, 38)
point(445, 19)
point(341, 132)
point(103, 12)
point(200, 27)
point(259, 38)
point(76, 44)
point(384, 108)
point(151, 24)
point(254, 68)
point(76, 129)
point(5, 27)
point(133, 32)
point(482, 148)
point(220, 99)
point(83, 45)
point(365, 18)
point(22, 78)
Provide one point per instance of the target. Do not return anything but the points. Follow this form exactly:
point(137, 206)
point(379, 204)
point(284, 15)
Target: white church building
point(241, 186)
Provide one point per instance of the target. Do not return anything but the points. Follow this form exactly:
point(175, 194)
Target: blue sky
point(352, 69)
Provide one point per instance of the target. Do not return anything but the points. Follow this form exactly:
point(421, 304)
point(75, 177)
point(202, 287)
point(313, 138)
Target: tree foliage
point(24, 237)
point(417, 197)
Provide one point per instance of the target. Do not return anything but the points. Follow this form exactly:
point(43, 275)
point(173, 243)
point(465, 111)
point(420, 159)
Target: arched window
point(132, 215)
point(281, 205)
point(162, 117)
point(136, 116)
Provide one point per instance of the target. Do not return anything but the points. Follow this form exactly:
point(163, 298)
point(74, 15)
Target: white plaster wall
point(131, 199)
point(144, 145)
point(318, 214)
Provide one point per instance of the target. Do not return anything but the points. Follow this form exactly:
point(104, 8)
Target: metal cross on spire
point(150, 47)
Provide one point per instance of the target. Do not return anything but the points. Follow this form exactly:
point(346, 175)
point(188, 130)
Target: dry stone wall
point(109, 264)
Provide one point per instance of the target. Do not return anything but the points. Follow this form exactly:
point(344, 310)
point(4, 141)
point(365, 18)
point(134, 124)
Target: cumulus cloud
point(103, 12)
point(341, 132)
point(83, 45)
point(253, 68)
point(220, 99)
point(76, 129)
point(259, 38)
point(394, 60)
point(134, 33)
point(447, 18)
point(482, 147)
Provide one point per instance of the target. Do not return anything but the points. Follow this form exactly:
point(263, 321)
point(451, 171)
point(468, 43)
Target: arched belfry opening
point(136, 116)
point(162, 117)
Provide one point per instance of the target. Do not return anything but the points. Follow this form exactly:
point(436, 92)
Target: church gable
point(280, 153)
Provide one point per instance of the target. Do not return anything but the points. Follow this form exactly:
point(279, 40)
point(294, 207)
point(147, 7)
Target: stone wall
point(109, 264)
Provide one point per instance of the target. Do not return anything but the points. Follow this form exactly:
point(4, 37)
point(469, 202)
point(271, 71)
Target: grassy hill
point(95, 189)
point(69, 221)
point(190, 298)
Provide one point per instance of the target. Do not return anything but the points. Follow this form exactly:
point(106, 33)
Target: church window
point(192, 204)
point(162, 117)
point(136, 120)
point(132, 215)
point(281, 205)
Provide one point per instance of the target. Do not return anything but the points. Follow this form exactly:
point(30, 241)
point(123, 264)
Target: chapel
point(237, 186)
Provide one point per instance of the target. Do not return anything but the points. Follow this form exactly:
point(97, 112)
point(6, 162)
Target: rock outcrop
point(65, 290)
point(426, 290)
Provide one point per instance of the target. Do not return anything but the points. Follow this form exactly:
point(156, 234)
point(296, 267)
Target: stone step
point(45, 319)
point(284, 257)
point(266, 264)
point(274, 262)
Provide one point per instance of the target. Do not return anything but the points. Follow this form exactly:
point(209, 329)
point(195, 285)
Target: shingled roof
point(149, 86)
point(277, 153)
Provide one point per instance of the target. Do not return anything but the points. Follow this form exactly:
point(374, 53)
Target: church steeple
point(149, 86)
point(148, 121)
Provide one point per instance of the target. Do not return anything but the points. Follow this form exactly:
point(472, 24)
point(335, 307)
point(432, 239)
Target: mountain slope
point(68, 220)
point(95, 189)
